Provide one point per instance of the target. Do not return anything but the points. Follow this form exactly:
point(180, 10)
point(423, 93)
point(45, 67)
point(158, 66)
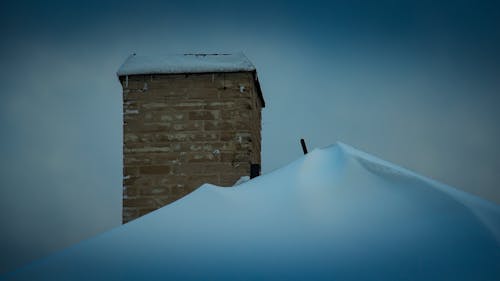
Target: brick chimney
point(187, 120)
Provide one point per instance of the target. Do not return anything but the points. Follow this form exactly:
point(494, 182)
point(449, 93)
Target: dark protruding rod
point(304, 148)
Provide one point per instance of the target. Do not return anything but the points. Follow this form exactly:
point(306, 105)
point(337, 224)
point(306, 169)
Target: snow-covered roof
point(334, 214)
point(185, 63)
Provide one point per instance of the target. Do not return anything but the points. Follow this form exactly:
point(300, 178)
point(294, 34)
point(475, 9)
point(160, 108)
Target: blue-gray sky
point(416, 83)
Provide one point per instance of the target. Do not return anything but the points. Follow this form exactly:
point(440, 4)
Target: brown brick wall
point(181, 131)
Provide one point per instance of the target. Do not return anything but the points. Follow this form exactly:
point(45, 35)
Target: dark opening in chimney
point(254, 170)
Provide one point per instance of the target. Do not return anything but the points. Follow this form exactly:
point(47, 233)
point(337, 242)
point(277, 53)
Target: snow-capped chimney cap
point(185, 63)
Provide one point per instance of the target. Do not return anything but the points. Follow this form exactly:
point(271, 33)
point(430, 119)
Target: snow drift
point(187, 63)
point(334, 214)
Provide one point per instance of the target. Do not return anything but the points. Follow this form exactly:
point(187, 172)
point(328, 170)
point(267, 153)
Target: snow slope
point(187, 63)
point(334, 214)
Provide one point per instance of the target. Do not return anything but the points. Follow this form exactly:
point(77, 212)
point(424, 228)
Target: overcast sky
point(415, 83)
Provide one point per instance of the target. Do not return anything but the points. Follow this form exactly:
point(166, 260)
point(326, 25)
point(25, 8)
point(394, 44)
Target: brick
point(204, 157)
point(244, 146)
point(172, 116)
point(234, 92)
point(225, 125)
point(203, 93)
point(179, 146)
point(189, 168)
point(169, 92)
point(129, 137)
point(220, 146)
point(147, 128)
point(167, 158)
point(195, 147)
point(154, 170)
point(204, 115)
point(142, 180)
point(129, 180)
point(229, 168)
point(129, 145)
point(155, 190)
point(154, 105)
point(239, 115)
point(139, 202)
point(147, 149)
point(137, 160)
point(229, 179)
point(178, 192)
point(129, 214)
point(175, 179)
point(224, 105)
point(130, 171)
point(163, 200)
point(243, 137)
point(169, 137)
point(227, 135)
point(188, 105)
point(218, 125)
point(208, 136)
point(129, 191)
point(226, 168)
point(164, 137)
point(235, 157)
point(188, 126)
point(198, 180)
point(144, 211)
